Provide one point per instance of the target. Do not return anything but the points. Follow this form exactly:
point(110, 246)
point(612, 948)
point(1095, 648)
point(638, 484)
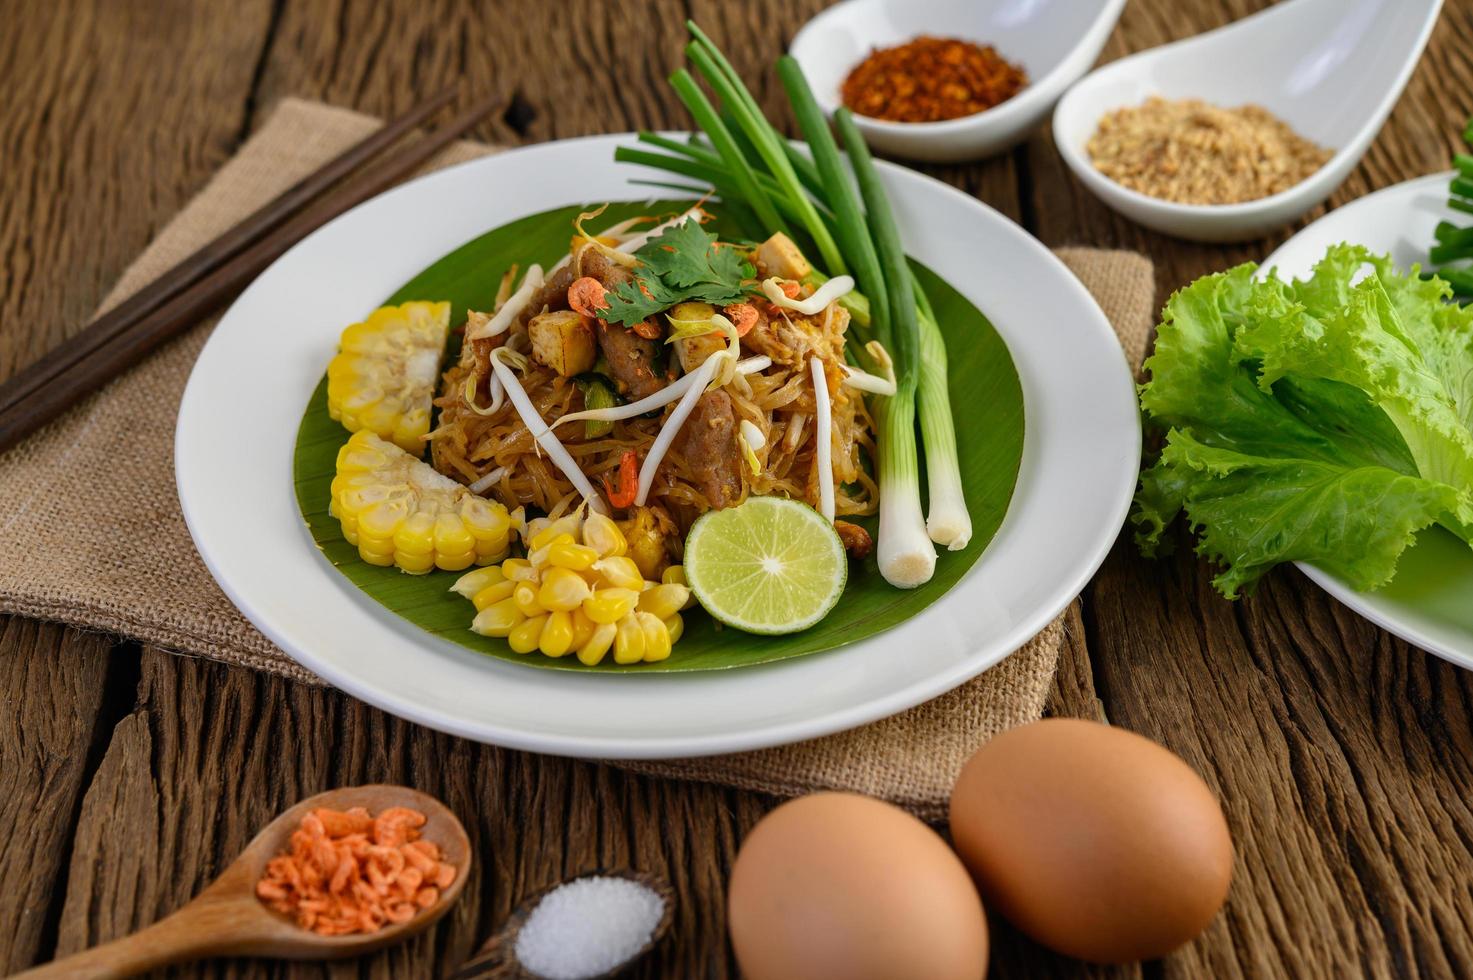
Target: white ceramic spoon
point(1332, 69)
point(1055, 41)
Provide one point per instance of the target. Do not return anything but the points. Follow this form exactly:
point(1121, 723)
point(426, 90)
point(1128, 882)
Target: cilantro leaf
point(683, 264)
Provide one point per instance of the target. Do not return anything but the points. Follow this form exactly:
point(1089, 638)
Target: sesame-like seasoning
point(1191, 152)
point(930, 79)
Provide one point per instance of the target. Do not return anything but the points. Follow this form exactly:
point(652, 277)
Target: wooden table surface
point(129, 777)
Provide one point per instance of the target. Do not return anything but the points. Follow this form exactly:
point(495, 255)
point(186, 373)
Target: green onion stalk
point(849, 221)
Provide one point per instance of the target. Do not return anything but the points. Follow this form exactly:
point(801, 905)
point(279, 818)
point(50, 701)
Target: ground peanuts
point(348, 871)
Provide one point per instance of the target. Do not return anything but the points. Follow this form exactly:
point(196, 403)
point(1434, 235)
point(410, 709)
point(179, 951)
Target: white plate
point(1430, 602)
point(240, 412)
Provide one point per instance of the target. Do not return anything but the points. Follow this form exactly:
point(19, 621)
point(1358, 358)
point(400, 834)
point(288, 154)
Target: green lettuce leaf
point(1324, 420)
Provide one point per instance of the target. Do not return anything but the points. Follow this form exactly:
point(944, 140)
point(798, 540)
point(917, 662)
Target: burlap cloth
point(91, 533)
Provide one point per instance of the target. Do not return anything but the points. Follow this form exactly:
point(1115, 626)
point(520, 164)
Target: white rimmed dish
point(1056, 41)
point(1430, 602)
point(1331, 69)
point(1082, 431)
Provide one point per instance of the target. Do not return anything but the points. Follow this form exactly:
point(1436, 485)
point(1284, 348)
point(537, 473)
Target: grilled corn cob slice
point(399, 511)
point(383, 377)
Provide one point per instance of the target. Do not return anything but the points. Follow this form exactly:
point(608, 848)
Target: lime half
point(770, 565)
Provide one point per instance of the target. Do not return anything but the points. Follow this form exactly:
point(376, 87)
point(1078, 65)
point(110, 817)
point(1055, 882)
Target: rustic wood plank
point(211, 753)
point(114, 115)
point(52, 683)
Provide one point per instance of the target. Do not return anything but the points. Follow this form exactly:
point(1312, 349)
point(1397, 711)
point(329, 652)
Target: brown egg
point(1095, 841)
point(836, 885)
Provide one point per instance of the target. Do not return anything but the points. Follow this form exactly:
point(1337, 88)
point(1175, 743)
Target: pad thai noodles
point(778, 411)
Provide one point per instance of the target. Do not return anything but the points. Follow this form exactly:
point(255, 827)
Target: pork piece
point(708, 443)
point(609, 273)
point(553, 293)
point(631, 360)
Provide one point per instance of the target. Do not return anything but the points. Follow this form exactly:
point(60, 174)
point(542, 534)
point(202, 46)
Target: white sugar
point(588, 927)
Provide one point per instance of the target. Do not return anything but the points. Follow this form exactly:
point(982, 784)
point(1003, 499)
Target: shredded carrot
point(628, 481)
point(743, 316)
point(348, 871)
point(586, 296)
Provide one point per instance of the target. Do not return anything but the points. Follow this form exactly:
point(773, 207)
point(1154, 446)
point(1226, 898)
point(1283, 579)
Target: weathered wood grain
point(51, 696)
point(210, 754)
point(1341, 754)
point(114, 114)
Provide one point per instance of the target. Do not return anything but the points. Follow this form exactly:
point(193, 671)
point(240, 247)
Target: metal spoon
point(226, 919)
point(497, 960)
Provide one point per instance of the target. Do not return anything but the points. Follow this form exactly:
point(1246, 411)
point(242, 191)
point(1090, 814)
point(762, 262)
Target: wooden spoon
point(226, 919)
point(497, 959)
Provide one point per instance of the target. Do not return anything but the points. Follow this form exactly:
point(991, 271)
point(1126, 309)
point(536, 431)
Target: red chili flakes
point(930, 79)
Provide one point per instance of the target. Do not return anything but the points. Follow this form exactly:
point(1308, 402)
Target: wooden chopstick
point(59, 359)
point(99, 364)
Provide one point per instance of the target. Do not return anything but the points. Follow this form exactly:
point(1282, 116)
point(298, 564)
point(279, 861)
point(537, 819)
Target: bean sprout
point(823, 296)
point(541, 433)
point(823, 452)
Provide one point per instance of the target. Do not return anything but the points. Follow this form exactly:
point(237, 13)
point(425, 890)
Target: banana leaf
point(987, 402)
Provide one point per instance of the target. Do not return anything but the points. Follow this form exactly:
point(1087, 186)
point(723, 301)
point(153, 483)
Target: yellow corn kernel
point(416, 535)
point(538, 557)
point(602, 535)
point(610, 605)
point(416, 564)
point(675, 626)
point(563, 590)
point(525, 596)
point(629, 641)
point(469, 584)
point(491, 552)
point(451, 536)
point(382, 519)
point(372, 559)
point(664, 601)
point(493, 594)
point(583, 628)
point(566, 554)
point(485, 520)
point(498, 619)
point(656, 637)
point(377, 547)
point(452, 563)
point(593, 649)
point(567, 524)
point(527, 635)
point(619, 573)
point(519, 570)
point(557, 636)
point(675, 575)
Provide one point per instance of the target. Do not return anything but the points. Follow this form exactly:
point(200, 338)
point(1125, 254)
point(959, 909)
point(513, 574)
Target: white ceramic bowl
point(1332, 69)
point(1056, 41)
